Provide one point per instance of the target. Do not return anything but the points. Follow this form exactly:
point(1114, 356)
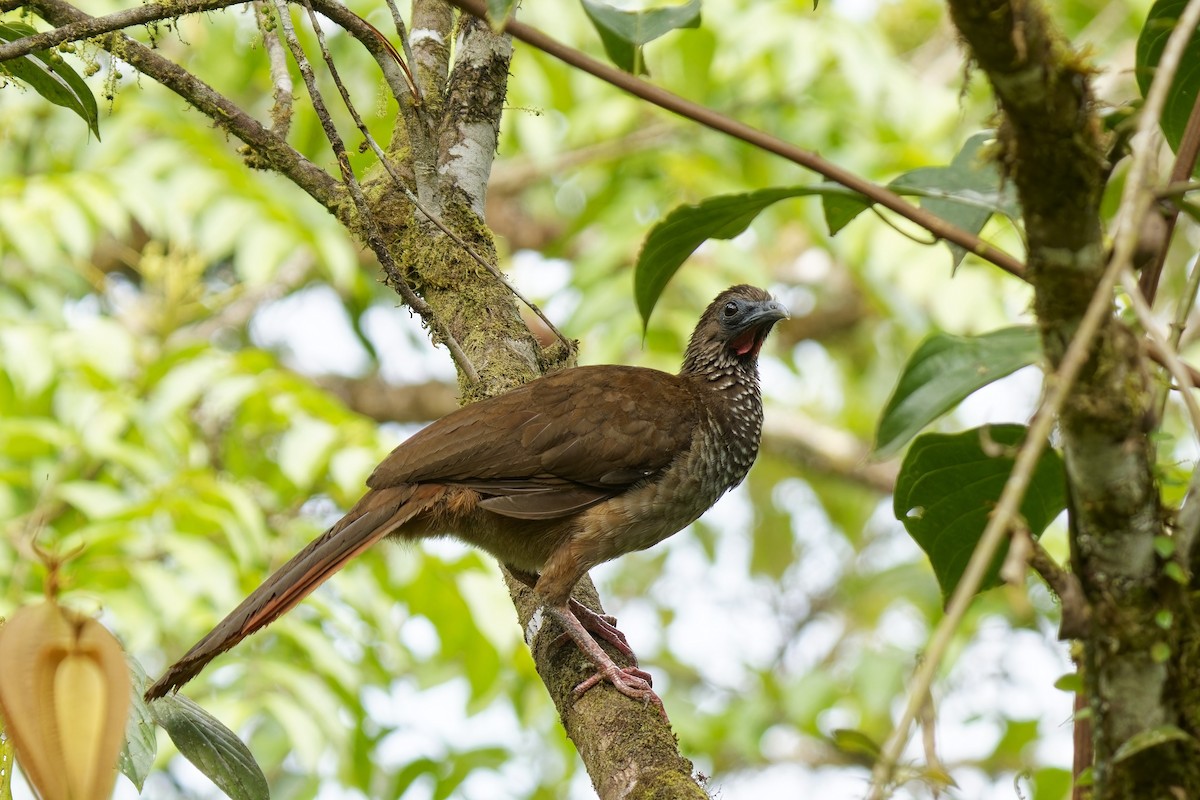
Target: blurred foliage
point(149, 414)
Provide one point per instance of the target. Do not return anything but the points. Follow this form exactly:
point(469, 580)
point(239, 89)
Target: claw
point(602, 626)
point(629, 681)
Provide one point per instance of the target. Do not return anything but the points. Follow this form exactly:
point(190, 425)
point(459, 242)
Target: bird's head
point(732, 329)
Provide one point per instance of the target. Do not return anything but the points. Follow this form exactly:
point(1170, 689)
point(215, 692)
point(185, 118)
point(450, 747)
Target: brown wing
point(555, 445)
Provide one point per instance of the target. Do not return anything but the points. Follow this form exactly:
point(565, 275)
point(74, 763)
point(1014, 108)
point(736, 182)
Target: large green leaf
point(677, 235)
point(141, 740)
point(625, 32)
point(1162, 19)
point(949, 485)
point(965, 193)
point(213, 748)
point(943, 371)
point(51, 77)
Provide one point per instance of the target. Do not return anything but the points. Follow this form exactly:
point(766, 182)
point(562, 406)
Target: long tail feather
point(377, 515)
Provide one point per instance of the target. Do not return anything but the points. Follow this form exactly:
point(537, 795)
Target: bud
point(64, 696)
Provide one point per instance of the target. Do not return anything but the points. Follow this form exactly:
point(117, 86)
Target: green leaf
point(1051, 782)
point(1154, 737)
point(965, 193)
point(943, 371)
point(1160, 22)
point(52, 79)
point(841, 208)
point(1069, 682)
point(677, 235)
point(948, 486)
point(856, 744)
point(214, 749)
point(625, 32)
point(141, 742)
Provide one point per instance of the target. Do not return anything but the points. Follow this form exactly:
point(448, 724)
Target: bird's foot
point(623, 678)
point(603, 627)
point(629, 681)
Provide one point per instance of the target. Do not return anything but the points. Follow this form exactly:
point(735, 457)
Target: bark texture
point(1052, 148)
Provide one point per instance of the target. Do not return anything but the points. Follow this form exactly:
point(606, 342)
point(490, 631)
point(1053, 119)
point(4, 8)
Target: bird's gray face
point(745, 323)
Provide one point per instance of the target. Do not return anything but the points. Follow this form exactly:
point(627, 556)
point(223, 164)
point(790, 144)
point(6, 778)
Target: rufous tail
point(377, 515)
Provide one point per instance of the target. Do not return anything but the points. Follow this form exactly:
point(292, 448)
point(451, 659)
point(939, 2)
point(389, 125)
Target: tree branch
point(88, 27)
point(432, 24)
point(806, 442)
point(1181, 170)
point(1052, 147)
point(274, 151)
point(85, 27)
point(719, 122)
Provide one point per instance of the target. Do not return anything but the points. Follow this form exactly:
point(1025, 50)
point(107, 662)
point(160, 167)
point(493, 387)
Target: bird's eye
point(731, 308)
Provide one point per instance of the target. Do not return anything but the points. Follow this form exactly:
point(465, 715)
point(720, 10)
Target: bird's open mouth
point(750, 342)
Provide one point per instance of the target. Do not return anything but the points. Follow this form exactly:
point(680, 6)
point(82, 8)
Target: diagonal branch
point(226, 114)
point(1181, 170)
point(86, 27)
point(1052, 148)
point(1008, 508)
point(739, 130)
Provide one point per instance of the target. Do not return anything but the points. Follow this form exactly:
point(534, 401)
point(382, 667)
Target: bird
point(554, 477)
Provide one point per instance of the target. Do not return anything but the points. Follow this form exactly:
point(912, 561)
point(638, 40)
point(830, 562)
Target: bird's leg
point(603, 626)
point(629, 681)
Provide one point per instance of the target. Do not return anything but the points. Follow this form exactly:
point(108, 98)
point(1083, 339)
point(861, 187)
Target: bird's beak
point(756, 325)
point(766, 312)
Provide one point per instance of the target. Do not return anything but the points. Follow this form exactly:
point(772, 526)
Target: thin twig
point(87, 27)
point(1007, 509)
point(371, 230)
point(1189, 148)
point(929, 745)
point(1181, 170)
point(413, 92)
point(764, 141)
point(1076, 611)
point(1189, 517)
point(1135, 201)
point(496, 273)
point(1177, 189)
point(227, 115)
point(878, 212)
point(395, 70)
point(1183, 379)
point(402, 32)
point(95, 26)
